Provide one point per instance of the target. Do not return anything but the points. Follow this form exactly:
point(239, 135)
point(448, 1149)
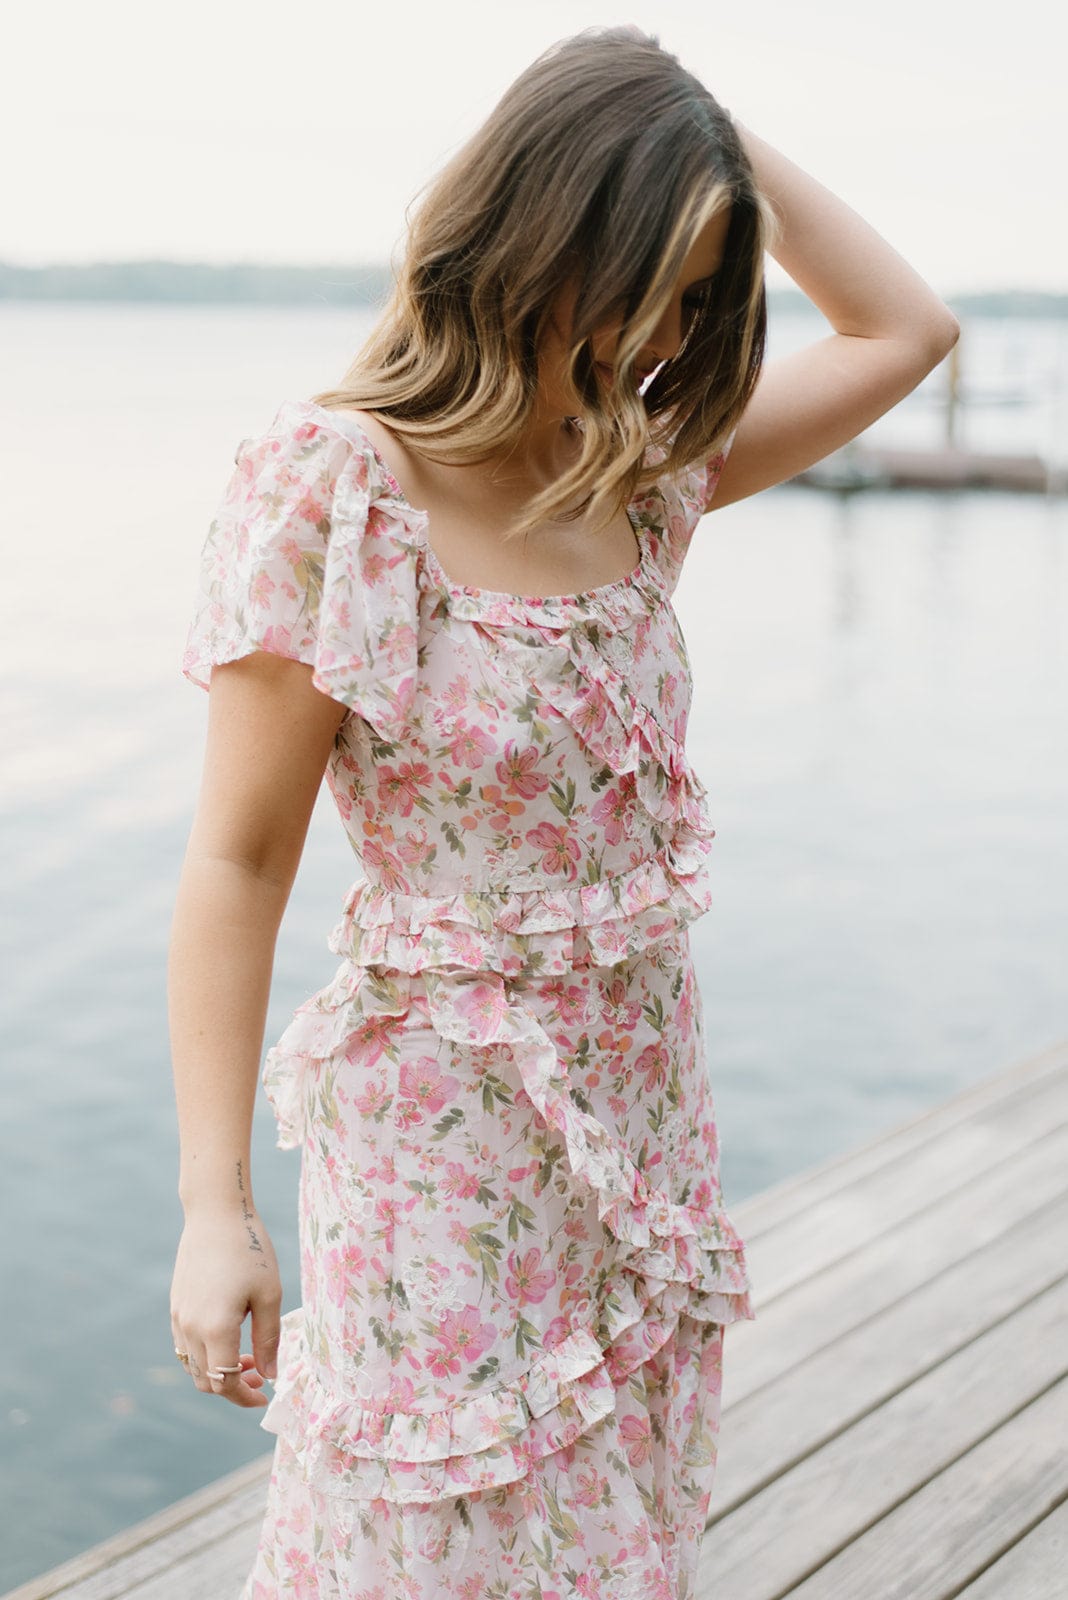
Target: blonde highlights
point(598, 169)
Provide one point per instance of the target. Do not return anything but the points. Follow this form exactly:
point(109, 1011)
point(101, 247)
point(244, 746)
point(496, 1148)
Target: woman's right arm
point(890, 331)
point(270, 732)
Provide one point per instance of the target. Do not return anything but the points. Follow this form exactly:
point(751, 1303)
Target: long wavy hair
point(599, 167)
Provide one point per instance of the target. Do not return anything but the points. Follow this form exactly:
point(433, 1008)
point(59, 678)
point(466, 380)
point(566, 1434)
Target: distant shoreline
point(250, 284)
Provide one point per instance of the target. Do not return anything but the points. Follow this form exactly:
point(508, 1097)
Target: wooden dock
point(894, 1421)
point(858, 466)
point(947, 464)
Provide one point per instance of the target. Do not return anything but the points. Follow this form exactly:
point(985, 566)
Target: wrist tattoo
point(247, 1213)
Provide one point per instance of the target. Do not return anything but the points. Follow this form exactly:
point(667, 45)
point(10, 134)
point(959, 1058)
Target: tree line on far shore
point(254, 284)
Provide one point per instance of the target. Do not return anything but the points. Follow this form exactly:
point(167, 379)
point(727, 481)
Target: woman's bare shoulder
point(371, 424)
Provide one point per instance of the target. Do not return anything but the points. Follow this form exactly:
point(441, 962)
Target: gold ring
point(183, 1355)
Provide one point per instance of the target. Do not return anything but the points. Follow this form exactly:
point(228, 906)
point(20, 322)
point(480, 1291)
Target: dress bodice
point(512, 775)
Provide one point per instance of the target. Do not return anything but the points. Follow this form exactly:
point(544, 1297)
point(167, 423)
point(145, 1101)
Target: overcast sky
point(224, 130)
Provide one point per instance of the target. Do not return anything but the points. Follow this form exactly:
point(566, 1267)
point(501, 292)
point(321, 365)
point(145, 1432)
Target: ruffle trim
point(624, 733)
point(530, 932)
point(303, 562)
point(617, 603)
point(315, 555)
point(570, 675)
point(672, 1259)
point(359, 1451)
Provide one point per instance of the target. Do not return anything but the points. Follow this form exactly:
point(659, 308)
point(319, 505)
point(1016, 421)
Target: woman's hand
point(225, 1268)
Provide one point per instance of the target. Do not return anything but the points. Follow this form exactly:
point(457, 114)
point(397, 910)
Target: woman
point(447, 583)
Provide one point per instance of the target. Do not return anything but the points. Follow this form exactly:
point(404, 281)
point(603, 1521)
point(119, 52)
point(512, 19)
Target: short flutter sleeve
point(685, 497)
point(300, 561)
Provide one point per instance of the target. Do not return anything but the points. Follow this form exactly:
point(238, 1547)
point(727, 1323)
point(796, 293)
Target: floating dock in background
point(869, 467)
point(948, 465)
point(894, 1420)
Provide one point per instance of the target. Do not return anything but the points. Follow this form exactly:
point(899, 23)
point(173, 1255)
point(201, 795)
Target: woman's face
point(703, 261)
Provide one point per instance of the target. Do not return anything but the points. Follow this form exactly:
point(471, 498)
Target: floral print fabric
point(503, 1377)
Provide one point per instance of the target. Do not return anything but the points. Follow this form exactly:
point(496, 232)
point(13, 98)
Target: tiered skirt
point(503, 1378)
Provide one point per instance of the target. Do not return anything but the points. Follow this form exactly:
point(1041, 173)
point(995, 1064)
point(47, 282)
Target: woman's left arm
point(891, 330)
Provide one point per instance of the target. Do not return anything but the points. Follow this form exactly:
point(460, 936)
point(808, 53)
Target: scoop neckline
point(581, 597)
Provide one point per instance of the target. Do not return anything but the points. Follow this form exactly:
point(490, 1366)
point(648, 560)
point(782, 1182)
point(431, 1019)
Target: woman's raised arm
point(891, 329)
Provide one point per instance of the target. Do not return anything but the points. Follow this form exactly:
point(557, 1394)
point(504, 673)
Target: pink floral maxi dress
point(503, 1379)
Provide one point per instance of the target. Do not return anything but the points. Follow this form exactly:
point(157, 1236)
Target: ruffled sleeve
point(685, 498)
point(302, 562)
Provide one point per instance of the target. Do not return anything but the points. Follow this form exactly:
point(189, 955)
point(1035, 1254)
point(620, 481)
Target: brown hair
point(599, 166)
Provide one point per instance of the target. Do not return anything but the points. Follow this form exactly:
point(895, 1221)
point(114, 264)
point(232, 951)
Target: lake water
point(881, 700)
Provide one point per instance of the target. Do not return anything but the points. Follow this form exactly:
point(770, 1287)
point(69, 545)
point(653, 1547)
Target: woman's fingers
point(266, 1331)
point(243, 1386)
point(230, 1376)
point(253, 1375)
point(197, 1366)
point(191, 1354)
point(225, 1363)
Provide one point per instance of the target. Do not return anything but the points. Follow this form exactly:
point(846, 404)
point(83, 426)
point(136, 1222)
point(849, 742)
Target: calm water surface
point(879, 716)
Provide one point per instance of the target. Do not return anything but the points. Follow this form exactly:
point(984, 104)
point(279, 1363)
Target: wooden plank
point(813, 1400)
point(858, 1480)
point(818, 1232)
point(782, 1200)
point(227, 1507)
point(1035, 1568)
point(216, 1572)
point(830, 1302)
point(950, 1530)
